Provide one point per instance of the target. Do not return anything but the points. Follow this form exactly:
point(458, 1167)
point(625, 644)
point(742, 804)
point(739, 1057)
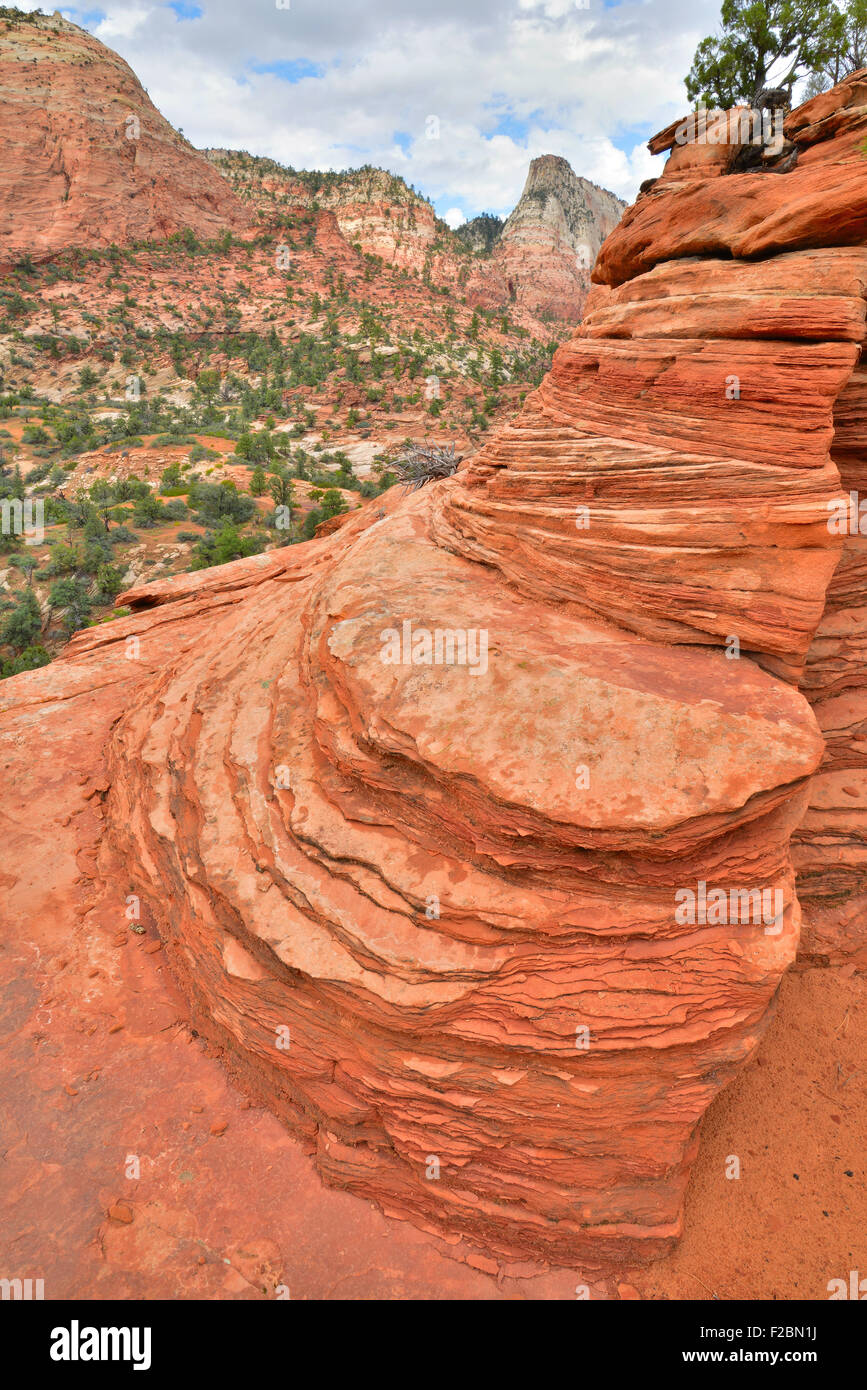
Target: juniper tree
point(24, 623)
point(763, 42)
point(850, 51)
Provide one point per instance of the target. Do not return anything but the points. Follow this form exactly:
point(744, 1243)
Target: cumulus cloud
point(455, 97)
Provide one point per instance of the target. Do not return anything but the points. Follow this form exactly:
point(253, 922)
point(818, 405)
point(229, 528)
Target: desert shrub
point(129, 441)
point(221, 546)
point(34, 434)
point(148, 511)
point(171, 478)
point(29, 660)
point(23, 624)
point(63, 558)
point(214, 503)
point(163, 441)
point(71, 598)
point(200, 451)
point(109, 582)
point(311, 521)
point(333, 504)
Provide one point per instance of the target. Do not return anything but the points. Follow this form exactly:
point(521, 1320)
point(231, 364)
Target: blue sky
point(457, 96)
point(290, 70)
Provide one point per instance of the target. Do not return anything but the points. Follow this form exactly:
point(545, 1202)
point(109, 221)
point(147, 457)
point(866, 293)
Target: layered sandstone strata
point(830, 845)
point(373, 209)
point(87, 158)
point(825, 200)
point(458, 823)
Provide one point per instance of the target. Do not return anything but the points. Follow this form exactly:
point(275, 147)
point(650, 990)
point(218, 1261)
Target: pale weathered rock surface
point(434, 913)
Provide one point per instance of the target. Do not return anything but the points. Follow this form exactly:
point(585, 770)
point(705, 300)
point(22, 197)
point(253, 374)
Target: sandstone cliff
point(87, 158)
point(374, 210)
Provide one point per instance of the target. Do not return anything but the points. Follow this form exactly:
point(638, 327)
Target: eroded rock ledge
point(429, 911)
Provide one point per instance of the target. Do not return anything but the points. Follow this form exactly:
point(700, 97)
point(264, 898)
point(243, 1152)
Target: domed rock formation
point(466, 828)
point(87, 158)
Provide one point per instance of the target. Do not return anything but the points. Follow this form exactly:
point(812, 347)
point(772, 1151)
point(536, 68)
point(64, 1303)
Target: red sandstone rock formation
point(830, 845)
point(437, 913)
point(793, 297)
point(372, 208)
point(87, 158)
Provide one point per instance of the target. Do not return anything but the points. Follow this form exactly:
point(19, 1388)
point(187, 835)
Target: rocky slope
point(87, 158)
point(196, 340)
point(332, 359)
point(481, 233)
point(89, 162)
point(491, 933)
point(374, 210)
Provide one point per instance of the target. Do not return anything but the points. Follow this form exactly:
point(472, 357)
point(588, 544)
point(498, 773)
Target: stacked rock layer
point(467, 827)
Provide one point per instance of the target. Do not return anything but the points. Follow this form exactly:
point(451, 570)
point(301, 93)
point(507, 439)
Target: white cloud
point(454, 218)
point(121, 24)
point(507, 79)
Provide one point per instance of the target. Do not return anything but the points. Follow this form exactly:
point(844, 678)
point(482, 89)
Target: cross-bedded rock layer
point(434, 912)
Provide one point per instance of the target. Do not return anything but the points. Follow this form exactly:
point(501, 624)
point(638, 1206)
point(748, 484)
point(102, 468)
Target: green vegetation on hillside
point(182, 404)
